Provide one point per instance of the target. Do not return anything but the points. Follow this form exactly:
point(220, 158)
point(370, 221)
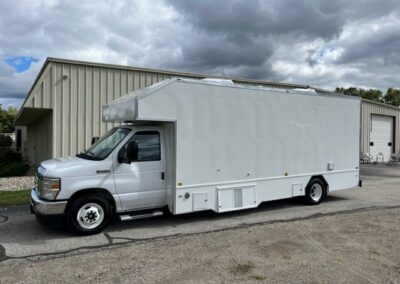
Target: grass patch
point(258, 277)
point(242, 268)
point(9, 198)
point(374, 252)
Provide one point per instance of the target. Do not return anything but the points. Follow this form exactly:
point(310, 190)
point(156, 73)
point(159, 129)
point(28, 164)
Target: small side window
point(147, 147)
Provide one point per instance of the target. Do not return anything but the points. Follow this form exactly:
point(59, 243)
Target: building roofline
point(381, 104)
point(178, 73)
point(36, 80)
point(32, 87)
point(160, 71)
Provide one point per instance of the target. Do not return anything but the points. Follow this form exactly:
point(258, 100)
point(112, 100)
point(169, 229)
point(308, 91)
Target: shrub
point(8, 154)
point(13, 169)
point(5, 141)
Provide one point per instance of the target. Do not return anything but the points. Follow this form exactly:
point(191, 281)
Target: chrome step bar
point(140, 215)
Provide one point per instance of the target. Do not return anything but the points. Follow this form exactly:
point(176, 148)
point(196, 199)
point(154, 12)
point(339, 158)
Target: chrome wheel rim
point(90, 216)
point(316, 192)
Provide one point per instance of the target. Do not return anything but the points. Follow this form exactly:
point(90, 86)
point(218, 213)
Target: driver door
point(140, 177)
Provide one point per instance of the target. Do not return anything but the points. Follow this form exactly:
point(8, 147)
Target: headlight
point(48, 188)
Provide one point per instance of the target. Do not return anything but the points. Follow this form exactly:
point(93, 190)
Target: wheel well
point(323, 181)
point(96, 191)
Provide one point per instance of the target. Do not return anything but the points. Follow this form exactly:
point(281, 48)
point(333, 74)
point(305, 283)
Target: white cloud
point(320, 43)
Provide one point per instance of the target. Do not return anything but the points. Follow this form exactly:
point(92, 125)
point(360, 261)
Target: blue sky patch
point(21, 63)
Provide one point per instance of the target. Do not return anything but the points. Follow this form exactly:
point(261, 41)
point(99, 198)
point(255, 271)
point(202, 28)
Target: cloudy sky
point(320, 43)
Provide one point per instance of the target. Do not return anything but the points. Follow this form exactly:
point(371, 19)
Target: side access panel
point(237, 197)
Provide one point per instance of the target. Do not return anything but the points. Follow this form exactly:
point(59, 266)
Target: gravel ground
point(16, 183)
point(358, 247)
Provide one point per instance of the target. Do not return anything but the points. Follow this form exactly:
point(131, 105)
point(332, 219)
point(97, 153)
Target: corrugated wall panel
point(66, 109)
point(73, 108)
point(47, 91)
point(79, 98)
point(57, 110)
point(77, 101)
point(368, 109)
point(103, 97)
point(96, 104)
point(39, 96)
point(110, 91)
point(89, 104)
point(81, 111)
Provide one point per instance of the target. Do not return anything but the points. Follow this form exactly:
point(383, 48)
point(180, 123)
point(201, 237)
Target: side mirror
point(94, 139)
point(132, 151)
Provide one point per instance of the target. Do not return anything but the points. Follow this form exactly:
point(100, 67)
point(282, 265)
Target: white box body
point(265, 144)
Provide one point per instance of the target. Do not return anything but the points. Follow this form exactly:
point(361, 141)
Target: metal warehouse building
point(62, 111)
point(379, 129)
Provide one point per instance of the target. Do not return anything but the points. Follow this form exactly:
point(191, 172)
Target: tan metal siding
point(39, 96)
point(368, 109)
point(81, 109)
point(79, 99)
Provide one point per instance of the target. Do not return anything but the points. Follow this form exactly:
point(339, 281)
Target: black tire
point(315, 192)
point(96, 206)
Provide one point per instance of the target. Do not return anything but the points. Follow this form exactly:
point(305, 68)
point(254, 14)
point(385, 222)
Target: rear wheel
point(315, 191)
point(88, 215)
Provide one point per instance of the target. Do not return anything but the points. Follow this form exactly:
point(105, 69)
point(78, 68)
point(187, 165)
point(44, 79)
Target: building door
point(381, 138)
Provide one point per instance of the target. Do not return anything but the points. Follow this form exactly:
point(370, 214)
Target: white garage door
point(381, 140)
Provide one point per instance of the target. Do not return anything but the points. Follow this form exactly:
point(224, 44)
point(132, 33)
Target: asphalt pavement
point(22, 238)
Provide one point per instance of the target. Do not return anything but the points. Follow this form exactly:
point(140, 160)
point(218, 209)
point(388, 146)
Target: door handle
point(163, 175)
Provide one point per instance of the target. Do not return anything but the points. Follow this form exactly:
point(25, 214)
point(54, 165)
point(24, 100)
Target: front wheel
point(88, 215)
point(315, 191)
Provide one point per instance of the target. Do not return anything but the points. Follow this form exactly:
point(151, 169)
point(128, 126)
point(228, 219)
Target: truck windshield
point(105, 145)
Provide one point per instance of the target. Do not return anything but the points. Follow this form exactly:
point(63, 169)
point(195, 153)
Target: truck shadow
point(169, 220)
point(44, 241)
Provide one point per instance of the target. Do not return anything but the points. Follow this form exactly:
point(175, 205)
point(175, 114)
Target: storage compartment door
point(200, 201)
point(236, 197)
point(226, 199)
point(249, 197)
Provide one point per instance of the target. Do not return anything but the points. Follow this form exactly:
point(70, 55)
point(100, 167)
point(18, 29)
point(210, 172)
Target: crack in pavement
point(3, 255)
point(128, 241)
point(109, 238)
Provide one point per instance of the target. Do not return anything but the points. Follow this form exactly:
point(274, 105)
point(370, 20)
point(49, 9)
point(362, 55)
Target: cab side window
point(147, 144)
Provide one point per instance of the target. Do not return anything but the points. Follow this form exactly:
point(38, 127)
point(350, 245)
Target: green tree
point(373, 95)
point(7, 118)
point(370, 94)
point(352, 91)
point(392, 97)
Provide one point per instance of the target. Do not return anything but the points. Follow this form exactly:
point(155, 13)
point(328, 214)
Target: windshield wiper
point(89, 152)
point(85, 156)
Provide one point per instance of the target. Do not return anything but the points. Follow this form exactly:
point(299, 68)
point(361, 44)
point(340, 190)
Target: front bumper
point(43, 207)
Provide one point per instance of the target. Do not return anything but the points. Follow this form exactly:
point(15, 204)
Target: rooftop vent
point(219, 81)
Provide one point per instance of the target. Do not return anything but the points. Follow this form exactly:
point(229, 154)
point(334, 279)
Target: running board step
point(140, 215)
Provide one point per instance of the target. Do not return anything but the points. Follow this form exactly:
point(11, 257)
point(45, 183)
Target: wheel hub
point(90, 216)
point(316, 192)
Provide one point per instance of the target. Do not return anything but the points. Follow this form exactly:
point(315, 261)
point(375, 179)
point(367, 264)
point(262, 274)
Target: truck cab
point(124, 171)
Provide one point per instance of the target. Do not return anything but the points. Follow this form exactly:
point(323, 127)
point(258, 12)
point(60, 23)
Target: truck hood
point(72, 166)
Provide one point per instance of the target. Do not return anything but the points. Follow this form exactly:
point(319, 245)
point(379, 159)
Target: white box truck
point(191, 145)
